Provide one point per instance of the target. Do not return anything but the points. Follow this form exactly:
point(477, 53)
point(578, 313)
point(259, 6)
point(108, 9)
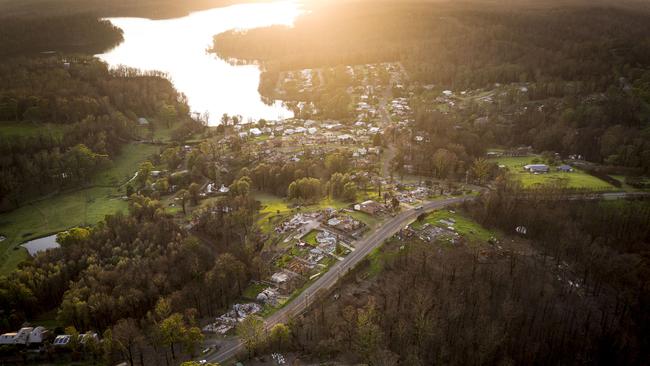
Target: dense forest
point(97, 109)
point(586, 69)
point(604, 130)
point(79, 33)
point(333, 169)
point(143, 272)
point(103, 8)
point(459, 46)
point(580, 296)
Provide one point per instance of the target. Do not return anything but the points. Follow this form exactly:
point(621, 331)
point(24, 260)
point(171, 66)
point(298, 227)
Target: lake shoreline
point(213, 86)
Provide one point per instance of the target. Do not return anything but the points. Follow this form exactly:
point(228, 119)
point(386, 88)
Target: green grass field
point(25, 129)
point(275, 209)
point(125, 164)
point(51, 215)
point(250, 293)
point(575, 179)
point(277, 205)
point(63, 211)
point(371, 221)
point(310, 238)
point(469, 229)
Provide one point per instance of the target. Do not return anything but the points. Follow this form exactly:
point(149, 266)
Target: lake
point(41, 244)
point(178, 47)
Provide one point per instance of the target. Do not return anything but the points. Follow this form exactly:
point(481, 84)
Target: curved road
point(328, 279)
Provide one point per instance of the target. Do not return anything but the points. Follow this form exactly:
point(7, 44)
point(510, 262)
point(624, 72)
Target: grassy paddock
point(575, 179)
point(63, 211)
point(52, 215)
point(371, 221)
point(125, 164)
point(274, 205)
point(468, 228)
point(310, 238)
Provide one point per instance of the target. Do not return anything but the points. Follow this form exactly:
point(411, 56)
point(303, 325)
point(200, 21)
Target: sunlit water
point(41, 244)
point(178, 47)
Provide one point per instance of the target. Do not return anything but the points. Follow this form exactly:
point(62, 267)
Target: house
point(565, 168)
point(370, 207)
point(255, 131)
point(61, 340)
point(536, 168)
point(333, 221)
point(345, 138)
point(282, 281)
point(19, 337)
point(268, 296)
point(37, 335)
point(280, 278)
point(143, 121)
point(64, 339)
point(224, 189)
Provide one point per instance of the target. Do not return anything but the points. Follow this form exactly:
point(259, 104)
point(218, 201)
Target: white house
point(333, 221)
point(536, 168)
point(61, 340)
point(280, 278)
point(19, 337)
point(37, 335)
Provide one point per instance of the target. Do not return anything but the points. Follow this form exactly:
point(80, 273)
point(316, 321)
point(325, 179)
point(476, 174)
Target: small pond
point(41, 244)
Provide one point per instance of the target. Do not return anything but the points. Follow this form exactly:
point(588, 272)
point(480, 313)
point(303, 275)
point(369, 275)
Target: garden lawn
point(56, 213)
point(575, 179)
point(52, 215)
point(126, 164)
point(271, 204)
point(253, 289)
point(310, 238)
point(369, 220)
point(274, 207)
point(468, 228)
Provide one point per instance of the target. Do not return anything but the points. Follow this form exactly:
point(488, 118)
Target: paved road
point(327, 280)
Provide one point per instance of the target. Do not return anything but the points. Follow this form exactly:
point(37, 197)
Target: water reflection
point(178, 47)
point(41, 244)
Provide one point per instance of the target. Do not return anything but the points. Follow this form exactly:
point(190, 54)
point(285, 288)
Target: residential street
point(327, 280)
